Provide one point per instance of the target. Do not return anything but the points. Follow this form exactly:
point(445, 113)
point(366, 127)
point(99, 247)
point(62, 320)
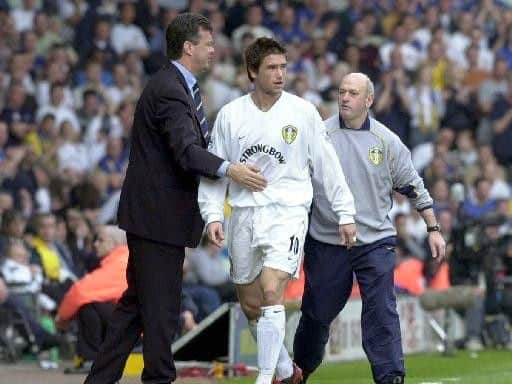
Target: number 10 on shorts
point(294, 245)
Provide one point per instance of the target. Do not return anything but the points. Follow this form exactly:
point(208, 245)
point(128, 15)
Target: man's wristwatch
point(434, 228)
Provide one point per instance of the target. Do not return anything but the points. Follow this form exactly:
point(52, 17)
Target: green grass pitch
point(487, 367)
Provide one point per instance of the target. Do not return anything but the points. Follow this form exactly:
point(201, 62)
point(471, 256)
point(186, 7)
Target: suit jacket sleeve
point(184, 140)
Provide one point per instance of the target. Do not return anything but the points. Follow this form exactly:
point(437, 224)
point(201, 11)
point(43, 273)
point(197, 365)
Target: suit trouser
point(329, 273)
point(93, 320)
point(150, 305)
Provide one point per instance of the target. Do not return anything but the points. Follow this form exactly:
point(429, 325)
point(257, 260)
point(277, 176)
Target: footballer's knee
point(272, 296)
point(251, 309)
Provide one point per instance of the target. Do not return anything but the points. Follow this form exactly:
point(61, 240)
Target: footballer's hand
point(247, 176)
point(348, 234)
point(215, 233)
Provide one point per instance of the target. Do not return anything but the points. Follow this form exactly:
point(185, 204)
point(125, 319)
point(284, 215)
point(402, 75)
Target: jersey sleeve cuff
point(346, 219)
point(223, 169)
point(214, 217)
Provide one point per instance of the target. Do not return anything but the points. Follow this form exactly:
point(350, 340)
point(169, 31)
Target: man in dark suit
point(158, 207)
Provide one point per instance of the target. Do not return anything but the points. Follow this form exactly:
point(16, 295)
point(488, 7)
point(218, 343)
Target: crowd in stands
point(72, 70)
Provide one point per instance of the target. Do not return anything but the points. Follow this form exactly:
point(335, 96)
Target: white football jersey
point(287, 143)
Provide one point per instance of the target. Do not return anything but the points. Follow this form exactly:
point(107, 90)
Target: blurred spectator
point(10, 156)
point(91, 300)
point(122, 88)
point(456, 291)
point(47, 36)
point(72, 155)
point(411, 55)
point(466, 152)
point(44, 339)
point(300, 87)
point(427, 111)
point(56, 261)
point(253, 25)
point(13, 228)
point(501, 118)
point(410, 247)
point(441, 195)
point(126, 36)
point(482, 204)
point(80, 238)
point(23, 279)
point(54, 73)
point(58, 108)
point(461, 101)
point(19, 73)
point(408, 274)
point(500, 189)
point(24, 17)
point(393, 103)
point(437, 60)
point(207, 265)
point(488, 92)
point(99, 47)
point(286, 29)
point(368, 48)
point(92, 106)
point(460, 40)
point(96, 78)
point(114, 163)
point(19, 107)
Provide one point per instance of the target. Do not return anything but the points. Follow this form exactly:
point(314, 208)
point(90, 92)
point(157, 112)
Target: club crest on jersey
point(376, 155)
point(289, 133)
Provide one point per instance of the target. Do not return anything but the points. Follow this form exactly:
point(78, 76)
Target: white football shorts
point(270, 236)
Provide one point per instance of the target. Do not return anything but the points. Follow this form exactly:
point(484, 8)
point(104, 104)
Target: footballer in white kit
point(284, 137)
point(286, 143)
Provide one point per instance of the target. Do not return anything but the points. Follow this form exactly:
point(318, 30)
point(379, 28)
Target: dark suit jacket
point(167, 155)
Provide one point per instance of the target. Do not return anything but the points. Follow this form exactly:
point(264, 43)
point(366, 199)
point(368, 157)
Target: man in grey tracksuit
point(375, 163)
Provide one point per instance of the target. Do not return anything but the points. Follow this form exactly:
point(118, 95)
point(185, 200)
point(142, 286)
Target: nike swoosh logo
point(241, 137)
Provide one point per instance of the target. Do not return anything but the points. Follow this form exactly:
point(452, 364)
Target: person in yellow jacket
point(91, 300)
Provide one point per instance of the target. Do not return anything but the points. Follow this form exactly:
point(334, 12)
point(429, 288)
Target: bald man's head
point(364, 80)
point(355, 98)
point(108, 237)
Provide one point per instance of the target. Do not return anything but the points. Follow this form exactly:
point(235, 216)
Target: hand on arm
point(247, 176)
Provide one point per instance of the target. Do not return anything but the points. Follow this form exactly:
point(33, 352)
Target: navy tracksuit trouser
point(329, 273)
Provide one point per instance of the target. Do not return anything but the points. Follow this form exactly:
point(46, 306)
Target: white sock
point(284, 367)
point(270, 331)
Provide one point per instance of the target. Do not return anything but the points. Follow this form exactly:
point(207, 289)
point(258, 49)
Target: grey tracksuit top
point(375, 162)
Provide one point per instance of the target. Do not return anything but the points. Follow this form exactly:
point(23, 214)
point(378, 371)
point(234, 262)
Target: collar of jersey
point(364, 127)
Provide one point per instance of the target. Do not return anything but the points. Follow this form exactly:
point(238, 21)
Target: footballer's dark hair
point(256, 52)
